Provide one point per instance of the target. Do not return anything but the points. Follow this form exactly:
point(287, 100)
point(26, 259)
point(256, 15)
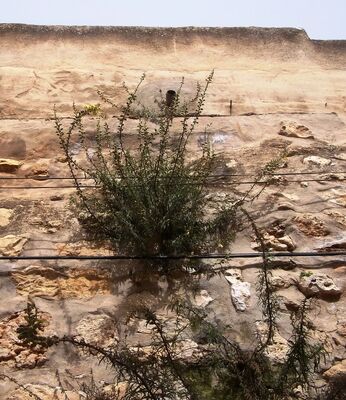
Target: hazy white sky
point(322, 19)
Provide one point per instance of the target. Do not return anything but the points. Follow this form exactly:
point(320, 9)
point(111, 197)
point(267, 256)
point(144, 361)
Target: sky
point(322, 19)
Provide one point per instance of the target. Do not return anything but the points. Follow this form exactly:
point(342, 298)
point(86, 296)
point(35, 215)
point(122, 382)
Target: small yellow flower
point(92, 109)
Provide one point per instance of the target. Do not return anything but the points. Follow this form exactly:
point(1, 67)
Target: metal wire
point(191, 183)
point(209, 176)
point(181, 257)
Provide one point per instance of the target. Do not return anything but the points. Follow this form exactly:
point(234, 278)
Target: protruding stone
point(279, 282)
point(117, 391)
point(13, 352)
point(5, 216)
point(284, 206)
point(341, 328)
point(337, 243)
point(292, 129)
point(203, 298)
point(277, 350)
point(43, 392)
point(341, 156)
point(337, 372)
point(9, 166)
point(272, 242)
point(98, 329)
point(232, 164)
point(240, 291)
point(49, 282)
point(56, 197)
point(12, 245)
point(38, 171)
point(316, 160)
point(310, 225)
point(318, 285)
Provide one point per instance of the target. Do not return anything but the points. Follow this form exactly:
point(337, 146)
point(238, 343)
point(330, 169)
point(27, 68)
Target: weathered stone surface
point(5, 216)
point(341, 156)
point(292, 129)
point(118, 391)
point(185, 350)
point(73, 283)
point(316, 284)
point(339, 217)
point(232, 164)
point(310, 225)
point(15, 354)
point(38, 170)
point(272, 242)
point(12, 146)
point(316, 160)
point(203, 298)
point(281, 282)
point(278, 349)
point(9, 166)
point(338, 242)
point(99, 329)
point(240, 291)
point(43, 392)
point(336, 196)
point(12, 245)
point(337, 372)
point(267, 68)
point(341, 328)
point(82, 248)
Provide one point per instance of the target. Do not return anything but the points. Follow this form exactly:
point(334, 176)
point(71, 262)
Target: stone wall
point(286, 90)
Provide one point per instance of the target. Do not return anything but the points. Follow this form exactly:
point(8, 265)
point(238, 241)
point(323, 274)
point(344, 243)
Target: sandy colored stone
point(98, 329)
point(39, 171)
point(5, 216)
point(292, 129)
point(272, 242)
point(337, 372)
point(74, 283)
point(281, 282)
point(258, 57)
point(82, 248)
point(317, 284)
point(338, 216)
point(9, 166)
point(118, 390)
point(311, 225)
point(336, 243)
point(44, 392)
point(15, 354)
point(12, 245)
point(12, 146)
point(240, 291)
point(336, 196)
point(341, 156)
point(203, 298)
point(278, 349)
point(316, 160)
point(341, 328)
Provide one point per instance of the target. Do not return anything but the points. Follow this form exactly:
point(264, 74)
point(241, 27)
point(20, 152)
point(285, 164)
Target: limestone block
point(292, 129)
point(9, 165)
point(319, 285)
point(12, 245)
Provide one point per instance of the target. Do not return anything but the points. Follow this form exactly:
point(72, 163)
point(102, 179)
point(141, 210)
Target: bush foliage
point(150, 197)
